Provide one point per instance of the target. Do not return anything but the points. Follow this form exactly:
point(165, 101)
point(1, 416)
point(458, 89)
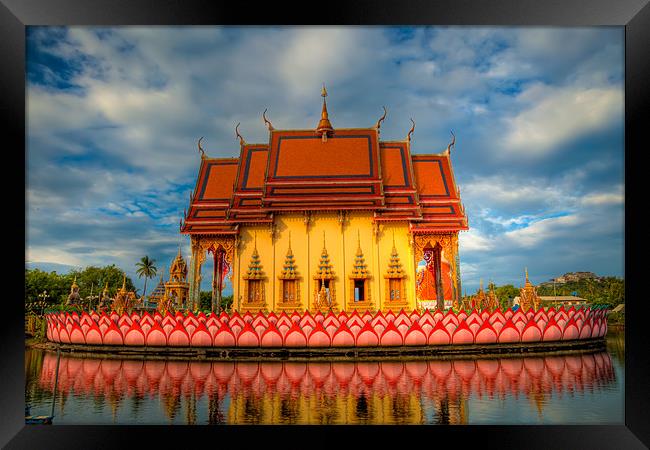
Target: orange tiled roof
point(350, 170)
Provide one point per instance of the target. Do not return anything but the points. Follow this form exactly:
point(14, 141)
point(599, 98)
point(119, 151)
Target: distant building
point(557, 301)
point(572, 277)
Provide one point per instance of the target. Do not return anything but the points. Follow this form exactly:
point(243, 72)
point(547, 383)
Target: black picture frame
point(634, 15)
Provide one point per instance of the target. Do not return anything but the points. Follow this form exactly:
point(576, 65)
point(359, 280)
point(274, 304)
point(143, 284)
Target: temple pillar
point(440, 295)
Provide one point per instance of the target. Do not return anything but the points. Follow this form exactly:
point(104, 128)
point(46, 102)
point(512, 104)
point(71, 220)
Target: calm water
point(573, 389)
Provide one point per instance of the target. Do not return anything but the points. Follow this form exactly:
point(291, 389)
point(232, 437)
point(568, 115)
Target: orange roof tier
point(326, 169)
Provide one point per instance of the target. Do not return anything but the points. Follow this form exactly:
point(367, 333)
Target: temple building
point(327, 219)
point(528, 297)
point(176, 289)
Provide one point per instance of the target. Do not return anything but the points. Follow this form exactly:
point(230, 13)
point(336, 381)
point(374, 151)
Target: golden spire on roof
point(200, 150)
point(74, 284)
point(324, 126)
point(266, 121)
point(123, 284)
point(408, 136)
point(239, 136)
point(381, 119)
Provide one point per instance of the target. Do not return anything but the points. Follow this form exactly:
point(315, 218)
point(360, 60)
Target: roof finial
point(289, 239)
point(324, 126)
point(324, 240)
point(381, 119)
point(255, 238)
point(241, 139)
point(358, 238)
point(408, 136)
point(201, 148)
point(266, 121)
point(453, 141)
point(526, 270)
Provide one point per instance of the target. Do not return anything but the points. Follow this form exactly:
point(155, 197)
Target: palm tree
point(147, 270)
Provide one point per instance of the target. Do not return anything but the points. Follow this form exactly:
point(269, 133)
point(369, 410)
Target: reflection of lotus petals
point(295, 371)
point(271, 371)
point(465, 368)
point(439, 335)
point(488, 368)
point(462, 334)
point(440, 369)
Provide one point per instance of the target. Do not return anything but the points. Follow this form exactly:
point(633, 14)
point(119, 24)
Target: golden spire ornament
point(324, 126)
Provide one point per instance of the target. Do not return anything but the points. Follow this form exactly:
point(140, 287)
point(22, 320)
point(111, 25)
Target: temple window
point(324, 290)
point(289, 288)
point(359, 290)
point(395, 276)
point(359, 281)
point(254, 283)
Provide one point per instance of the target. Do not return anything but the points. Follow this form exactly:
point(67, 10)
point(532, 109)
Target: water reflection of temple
point(364, 392)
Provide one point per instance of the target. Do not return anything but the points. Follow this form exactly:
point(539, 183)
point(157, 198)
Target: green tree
point(505, 294)
point(206, 302)
point(146, 269)
point(91, 279)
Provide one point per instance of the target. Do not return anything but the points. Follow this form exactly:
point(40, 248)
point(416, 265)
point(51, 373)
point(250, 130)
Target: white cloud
point(553, 116)
point(474, 241)
point(542, 230)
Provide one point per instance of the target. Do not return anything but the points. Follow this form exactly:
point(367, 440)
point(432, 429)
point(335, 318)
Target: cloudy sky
point(113, 115)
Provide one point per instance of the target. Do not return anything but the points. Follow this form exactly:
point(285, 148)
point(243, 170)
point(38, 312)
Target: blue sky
point(113, 115)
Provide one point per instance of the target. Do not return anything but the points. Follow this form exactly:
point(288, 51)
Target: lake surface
point(569, 389)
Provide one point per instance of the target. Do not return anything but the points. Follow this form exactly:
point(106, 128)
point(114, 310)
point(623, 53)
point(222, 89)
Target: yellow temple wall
point(341, 244)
